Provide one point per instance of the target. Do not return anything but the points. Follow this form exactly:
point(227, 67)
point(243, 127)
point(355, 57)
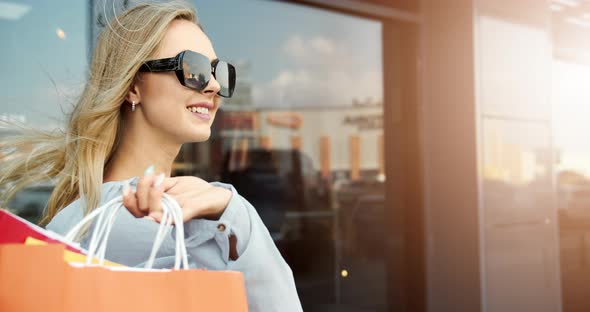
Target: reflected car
point(30, 202)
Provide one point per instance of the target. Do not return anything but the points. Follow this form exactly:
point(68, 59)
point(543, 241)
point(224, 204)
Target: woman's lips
point(201, 110)
point(202, 116)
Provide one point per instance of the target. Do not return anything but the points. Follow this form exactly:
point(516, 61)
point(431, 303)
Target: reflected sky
point(41, 73)
point(299, 56)
point(327, 60)
point(571, 111)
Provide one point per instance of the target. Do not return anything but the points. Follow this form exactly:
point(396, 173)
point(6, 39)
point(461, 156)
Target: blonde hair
point(75, 158)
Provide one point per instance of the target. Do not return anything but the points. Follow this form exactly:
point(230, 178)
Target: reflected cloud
point(300, 49)
point(13, 11)
point(286, 78)
point(321, 72)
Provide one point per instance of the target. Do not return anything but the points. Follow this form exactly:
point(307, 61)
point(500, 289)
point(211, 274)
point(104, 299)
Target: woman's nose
point(212, 87)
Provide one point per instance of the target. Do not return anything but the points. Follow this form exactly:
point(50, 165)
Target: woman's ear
point(133, 95)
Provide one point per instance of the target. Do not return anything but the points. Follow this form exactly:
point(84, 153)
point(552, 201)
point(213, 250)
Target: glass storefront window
point(43, 59)
point(303, 141)
point(570, 96)
point(43, 63)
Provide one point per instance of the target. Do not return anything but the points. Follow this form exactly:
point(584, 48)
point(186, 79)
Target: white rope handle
point(106, 214)
point(172, 213)
point(71, 235)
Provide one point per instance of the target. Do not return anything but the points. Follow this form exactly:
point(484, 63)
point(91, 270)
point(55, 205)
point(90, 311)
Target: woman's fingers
point(196, 196)
point(147, 199)
point(155, 197)
point(155, 216)
point(130, 201)
point(144, 185)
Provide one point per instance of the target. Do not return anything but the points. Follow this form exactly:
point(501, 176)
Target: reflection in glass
point(520, 259)
point(570, 98)
point(521, 272)
point(42, 70)
point(38, 84)
point(302, 140)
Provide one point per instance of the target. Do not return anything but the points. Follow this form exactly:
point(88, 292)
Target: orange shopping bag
point(36, 278)
point(70, 256)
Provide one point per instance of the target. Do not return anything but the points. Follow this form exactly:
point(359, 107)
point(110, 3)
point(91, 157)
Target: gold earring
point(132, 106)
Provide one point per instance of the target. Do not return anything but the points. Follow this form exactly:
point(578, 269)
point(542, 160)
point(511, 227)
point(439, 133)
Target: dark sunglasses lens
point(225, 74)
point(197, 71)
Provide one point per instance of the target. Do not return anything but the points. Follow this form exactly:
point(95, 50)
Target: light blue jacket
point(269, 280)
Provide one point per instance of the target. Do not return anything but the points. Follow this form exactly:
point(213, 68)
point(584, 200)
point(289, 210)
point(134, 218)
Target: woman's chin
point(201, 137)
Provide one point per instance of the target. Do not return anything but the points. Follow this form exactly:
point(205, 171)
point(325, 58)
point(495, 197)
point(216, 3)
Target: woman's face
point(164, 101)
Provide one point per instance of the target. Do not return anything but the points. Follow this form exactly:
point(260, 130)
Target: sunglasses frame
point(175, 64)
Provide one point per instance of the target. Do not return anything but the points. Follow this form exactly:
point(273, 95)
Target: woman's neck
point(137, 152)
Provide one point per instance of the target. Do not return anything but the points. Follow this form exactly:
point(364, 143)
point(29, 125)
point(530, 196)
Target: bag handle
point(106, 214)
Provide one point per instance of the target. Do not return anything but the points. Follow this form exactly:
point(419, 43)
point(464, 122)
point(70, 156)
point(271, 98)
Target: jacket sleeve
point(269, 280)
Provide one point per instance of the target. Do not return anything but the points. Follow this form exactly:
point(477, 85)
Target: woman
point(155, 83)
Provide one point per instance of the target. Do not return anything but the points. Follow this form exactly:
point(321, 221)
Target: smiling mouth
point(200, 112)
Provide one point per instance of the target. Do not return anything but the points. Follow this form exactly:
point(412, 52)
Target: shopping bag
point(70, 256)
point(14, 229)
point(32, 278)
point(36, 277)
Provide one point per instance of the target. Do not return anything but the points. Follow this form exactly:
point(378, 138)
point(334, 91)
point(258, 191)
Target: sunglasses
point(194, 71)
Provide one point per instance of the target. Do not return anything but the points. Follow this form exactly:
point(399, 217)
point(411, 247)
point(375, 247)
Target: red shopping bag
point(14, 229)
point(36, 278)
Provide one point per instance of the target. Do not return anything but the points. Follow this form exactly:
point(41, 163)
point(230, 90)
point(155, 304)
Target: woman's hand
point(197, 197)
